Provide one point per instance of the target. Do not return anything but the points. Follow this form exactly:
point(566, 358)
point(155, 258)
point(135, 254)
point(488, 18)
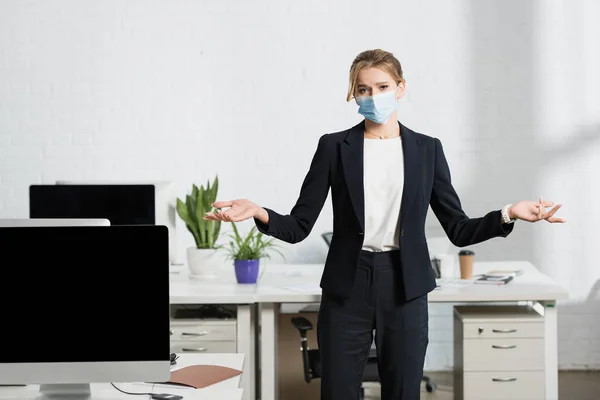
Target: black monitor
point(120, 204)
point(73, 295)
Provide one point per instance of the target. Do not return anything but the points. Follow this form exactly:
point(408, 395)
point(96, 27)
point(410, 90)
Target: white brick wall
point(182, 90)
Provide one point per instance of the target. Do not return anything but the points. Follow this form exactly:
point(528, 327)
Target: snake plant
point(196, 205)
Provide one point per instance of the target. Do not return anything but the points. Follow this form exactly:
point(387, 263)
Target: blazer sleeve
point(296, 226)
point(445, 203)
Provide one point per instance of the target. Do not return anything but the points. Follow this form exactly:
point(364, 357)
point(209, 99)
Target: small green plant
point(251, 247)
point(195, 207)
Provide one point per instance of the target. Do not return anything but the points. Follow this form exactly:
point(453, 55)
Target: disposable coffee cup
point(465, 260)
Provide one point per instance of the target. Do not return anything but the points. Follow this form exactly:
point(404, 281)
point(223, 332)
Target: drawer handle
point(194, 334)
point(506, 346)
point(198, 350)
point(504, 330)
point(504, 379)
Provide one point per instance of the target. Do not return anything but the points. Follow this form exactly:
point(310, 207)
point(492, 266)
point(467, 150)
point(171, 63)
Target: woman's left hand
point(534, 211)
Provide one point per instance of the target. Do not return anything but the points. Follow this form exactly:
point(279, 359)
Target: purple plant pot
point(246, 271)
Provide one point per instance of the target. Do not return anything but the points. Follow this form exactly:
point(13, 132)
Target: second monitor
point(120, 204)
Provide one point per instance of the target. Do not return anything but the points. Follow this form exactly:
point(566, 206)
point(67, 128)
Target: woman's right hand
point(238, 210)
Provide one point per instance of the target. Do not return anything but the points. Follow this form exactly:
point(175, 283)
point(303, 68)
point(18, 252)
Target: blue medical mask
point(378, 108)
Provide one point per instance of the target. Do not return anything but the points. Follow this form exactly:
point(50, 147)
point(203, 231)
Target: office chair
point(327, 237)
point(311, 358)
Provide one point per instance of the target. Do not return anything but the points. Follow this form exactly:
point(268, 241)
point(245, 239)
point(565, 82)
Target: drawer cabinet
point(498, 353)
point(517, 354)
point(504, 386)
point(203, 347)
point(203, 336)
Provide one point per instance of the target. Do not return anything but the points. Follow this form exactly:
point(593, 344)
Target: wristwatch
point(505, 218)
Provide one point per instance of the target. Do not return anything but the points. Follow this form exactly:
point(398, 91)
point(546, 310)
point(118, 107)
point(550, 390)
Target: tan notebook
point(201, 376)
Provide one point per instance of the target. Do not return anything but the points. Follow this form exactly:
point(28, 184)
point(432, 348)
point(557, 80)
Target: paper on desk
point(312, 288)
point(452, 283)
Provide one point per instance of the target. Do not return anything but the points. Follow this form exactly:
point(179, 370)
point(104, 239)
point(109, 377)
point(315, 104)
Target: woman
point(383, 177)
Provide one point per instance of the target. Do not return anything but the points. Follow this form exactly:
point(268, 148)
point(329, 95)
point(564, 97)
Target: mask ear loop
point(397, 94)
point(399, 87)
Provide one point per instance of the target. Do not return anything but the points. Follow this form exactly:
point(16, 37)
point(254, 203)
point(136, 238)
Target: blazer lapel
point(352, 165)
point(412, 151)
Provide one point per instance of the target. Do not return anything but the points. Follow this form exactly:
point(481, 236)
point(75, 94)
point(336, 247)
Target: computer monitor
point(164, 211)
point(16, 222)
point(90, 304)
point(120, 204)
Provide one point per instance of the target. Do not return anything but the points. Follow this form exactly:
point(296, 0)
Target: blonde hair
point(374, 59)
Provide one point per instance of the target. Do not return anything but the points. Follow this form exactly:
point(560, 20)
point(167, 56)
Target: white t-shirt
point(383, 185)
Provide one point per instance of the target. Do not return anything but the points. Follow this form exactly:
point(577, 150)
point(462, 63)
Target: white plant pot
point(204, 263)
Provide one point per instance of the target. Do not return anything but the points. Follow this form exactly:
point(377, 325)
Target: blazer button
point(402, 233)
point(361, 234)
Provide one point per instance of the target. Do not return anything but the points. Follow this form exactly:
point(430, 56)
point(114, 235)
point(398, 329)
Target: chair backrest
point(327, 237)
point(303, 325)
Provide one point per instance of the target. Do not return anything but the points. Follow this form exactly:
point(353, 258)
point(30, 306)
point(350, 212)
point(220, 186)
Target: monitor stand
point(74, 391)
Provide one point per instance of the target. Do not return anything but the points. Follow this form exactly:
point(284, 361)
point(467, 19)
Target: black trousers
point(345, 333)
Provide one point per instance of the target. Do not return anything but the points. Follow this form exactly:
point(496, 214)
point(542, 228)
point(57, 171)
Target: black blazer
point(338, 164)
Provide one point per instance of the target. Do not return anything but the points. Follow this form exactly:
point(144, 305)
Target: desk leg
point(551, 349)
point(246, 329)
point(269, 387)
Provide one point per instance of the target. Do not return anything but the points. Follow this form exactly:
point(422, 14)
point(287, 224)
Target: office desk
point(223, 289)
point(228, 389)
point(299, 283)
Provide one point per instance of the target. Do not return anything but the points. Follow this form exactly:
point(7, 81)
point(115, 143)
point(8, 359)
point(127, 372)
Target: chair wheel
point(430, 387)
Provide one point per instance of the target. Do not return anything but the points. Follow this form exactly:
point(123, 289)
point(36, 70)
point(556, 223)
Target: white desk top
point(223, 289)
point(531, 286)
point(299, 283)
point(228, 389)
point(289, 283)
